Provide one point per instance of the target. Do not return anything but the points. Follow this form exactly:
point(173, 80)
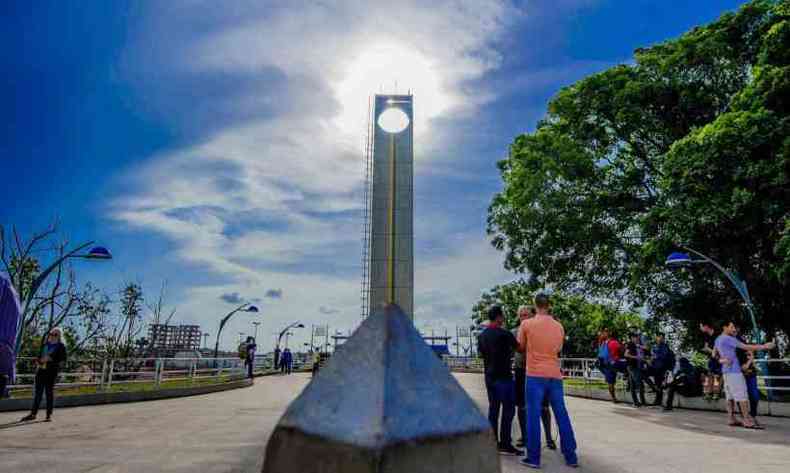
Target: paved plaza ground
point(227, 432)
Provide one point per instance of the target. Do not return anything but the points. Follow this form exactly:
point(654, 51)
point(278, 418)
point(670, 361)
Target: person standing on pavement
point(746, 360)
point(249, 359)
point(634, 353)
point(662, 363)
point(520, 366)
point(287, 361)
point(608, 350)
point(520, 374)
point(734, 382)
point(53, 353)
point(496, 345)
point(711, 383)
point(542, 337)
point(277, 360)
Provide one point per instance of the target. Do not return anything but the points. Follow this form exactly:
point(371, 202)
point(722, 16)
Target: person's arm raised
point(757, 347)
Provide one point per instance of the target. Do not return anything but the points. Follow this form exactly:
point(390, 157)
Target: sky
point(217, 147)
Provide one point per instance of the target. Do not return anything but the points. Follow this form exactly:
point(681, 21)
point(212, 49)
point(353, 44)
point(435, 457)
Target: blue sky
point(218, 146)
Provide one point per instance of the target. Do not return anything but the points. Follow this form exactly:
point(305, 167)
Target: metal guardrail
point(105, 373)
point(586, 369)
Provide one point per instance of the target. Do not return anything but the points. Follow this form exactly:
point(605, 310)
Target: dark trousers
point(681, 385)
point(3, 383)
point(636, 384)
point(249, 368)
point(501, 396)
point(538, 390)
point(45, 381)
point(658, 375)
point(521, 405)
point(754, 394)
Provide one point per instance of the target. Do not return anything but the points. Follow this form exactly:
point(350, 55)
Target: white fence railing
point(103, 374)
point(587, 369)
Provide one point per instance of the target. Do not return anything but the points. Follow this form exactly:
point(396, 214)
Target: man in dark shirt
point(497, 345)
point(634, 353)
point(660, 365)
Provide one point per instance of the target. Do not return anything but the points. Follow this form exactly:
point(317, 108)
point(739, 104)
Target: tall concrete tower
point(390, 230)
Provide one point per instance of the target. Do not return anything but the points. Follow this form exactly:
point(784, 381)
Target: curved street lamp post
point(682, 260)
point(246, 307)
point(95, 253)
point(286, 329)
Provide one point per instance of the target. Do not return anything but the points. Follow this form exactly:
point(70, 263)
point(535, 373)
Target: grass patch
point(27, 393)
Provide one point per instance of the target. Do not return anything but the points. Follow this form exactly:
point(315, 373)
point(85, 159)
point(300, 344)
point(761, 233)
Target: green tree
point(582, 319)
point(686, 146)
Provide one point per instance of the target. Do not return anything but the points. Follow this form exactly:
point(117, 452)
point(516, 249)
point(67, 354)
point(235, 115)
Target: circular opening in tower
point(393, 120)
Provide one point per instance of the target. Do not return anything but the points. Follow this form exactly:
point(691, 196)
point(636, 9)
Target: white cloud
point(272, 199)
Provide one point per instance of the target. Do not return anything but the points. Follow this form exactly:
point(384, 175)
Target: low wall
point(132, 396)
point(776, 409)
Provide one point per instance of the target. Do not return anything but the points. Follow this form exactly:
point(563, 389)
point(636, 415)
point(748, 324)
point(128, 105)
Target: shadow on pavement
point(11, 425)
point(777, 430)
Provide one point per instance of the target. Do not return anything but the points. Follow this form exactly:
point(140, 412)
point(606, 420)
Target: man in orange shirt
point(542, 338)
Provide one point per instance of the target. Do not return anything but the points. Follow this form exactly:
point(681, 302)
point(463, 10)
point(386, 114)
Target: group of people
point(640, 363)
point(283, 361)
point(532, 386)
point(731, 366)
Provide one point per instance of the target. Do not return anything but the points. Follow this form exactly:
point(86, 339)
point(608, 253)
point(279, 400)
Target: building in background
point(167, 340)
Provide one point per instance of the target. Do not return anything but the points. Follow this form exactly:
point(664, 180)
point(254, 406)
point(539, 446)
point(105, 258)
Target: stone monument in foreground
point(383, 403)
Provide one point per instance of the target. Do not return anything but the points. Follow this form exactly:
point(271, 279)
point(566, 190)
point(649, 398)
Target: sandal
point(736, 423)
point(754, 427)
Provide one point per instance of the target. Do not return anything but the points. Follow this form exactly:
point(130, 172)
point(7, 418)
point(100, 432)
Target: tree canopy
point(581, 319)
point(688, 145)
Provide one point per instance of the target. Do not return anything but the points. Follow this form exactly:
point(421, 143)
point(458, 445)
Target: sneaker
point(668, 409)
point(509, 450)
point(573, 464)
point(551, 445)
point(48, 419)
point(28, 418)
point(529, 463)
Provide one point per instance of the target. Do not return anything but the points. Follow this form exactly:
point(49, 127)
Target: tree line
point(95, 323)
point(688, 145)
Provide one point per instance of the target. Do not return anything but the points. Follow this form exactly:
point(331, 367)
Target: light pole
point(256, 323)
point(681, 260)
point(246, 307)
point(286, 329)
point(95, 253)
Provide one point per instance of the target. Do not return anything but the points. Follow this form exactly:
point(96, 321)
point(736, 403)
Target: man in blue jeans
point(542, 338)
point(497, 346)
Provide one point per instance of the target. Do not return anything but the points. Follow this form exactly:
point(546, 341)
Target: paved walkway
point(227, 432)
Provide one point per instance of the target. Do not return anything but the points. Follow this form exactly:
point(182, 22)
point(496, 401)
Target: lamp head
point(99, 252)
point(251, 308)
point(678, 260)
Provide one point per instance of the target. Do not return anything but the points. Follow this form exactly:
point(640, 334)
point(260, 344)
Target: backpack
point(603, 353)
point(243, 351)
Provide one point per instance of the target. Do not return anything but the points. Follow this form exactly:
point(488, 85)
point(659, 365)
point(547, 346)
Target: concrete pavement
point(227, 432)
